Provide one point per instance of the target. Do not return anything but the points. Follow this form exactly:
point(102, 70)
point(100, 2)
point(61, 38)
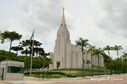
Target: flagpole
point(31, 59)
point(31, 55)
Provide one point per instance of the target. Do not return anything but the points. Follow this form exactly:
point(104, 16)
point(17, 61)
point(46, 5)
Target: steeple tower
point(62, 44)
point(63, 22)
point(63, 26)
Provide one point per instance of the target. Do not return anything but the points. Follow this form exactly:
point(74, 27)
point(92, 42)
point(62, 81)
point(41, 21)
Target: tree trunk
point(109, 52)
point(119, 63)
point(117, 54)
point(98, 65)
point(26, 59)
point(10, 45)
point(82, 61)
point(91, 65)
point(110, 62)
point(16, 53)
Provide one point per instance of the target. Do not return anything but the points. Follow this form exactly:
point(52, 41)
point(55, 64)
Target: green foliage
point(1, 38)
point(69, 69)
point(47, 74)
point(16, 49)
point(124, 56)
point(27, 48)
point(39, 62)
point(4, 55)
point(107, 60)
point(83, 43)
point(10, 36)
point(62, 73)
point(117, 47)
point(21, 58)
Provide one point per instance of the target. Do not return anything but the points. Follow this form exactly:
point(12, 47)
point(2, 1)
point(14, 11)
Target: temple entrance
point(58, 65)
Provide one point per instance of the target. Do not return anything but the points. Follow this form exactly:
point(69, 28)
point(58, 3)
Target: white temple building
point(67, 55)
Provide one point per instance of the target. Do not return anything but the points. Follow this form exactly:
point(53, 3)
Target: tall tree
point(39, 51)
point(98, 52)
point(107, 60)
point(11, 36)
point(88, 62)
point(108, 48)
point(83, 43)
point(27, 49)
point(124, 56)
point(25, 52)
point(118, 62)
point(27, 45)
point(1, 38)
point(117, 48)
point(16, 49)
point(91, 50)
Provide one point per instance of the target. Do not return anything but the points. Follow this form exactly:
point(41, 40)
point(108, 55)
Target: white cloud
point(100, 21)
point(103, 22)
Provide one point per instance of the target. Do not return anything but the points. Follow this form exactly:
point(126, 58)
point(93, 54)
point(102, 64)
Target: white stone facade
point(67, 55)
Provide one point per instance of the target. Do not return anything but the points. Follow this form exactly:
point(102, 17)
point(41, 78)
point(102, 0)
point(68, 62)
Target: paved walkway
point(114, 79)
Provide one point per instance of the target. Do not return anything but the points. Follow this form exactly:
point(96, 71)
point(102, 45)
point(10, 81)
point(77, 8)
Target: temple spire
point(63, 22)
point(63, 27)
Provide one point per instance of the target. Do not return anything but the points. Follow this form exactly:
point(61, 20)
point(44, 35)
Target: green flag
point(32, 36)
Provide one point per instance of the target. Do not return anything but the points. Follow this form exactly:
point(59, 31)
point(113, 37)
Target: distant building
point(67, 55)
point(11, 70)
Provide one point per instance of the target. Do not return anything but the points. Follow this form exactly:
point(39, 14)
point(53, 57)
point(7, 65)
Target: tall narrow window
point(58, 65)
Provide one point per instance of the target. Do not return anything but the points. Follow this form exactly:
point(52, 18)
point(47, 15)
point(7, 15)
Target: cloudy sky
point(103, 22)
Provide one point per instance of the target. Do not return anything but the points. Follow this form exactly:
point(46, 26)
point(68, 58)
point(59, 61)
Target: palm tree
point(98, 52)
point(83, 44)
point(124, 56)
point(117, 48)
point(88, 62)
point(90, 50)
point(108, 48)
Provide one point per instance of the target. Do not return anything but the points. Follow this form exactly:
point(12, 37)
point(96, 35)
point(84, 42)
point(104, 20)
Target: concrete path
point(114, 79)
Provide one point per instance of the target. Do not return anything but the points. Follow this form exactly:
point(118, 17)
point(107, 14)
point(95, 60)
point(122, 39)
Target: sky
point(103, 22)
